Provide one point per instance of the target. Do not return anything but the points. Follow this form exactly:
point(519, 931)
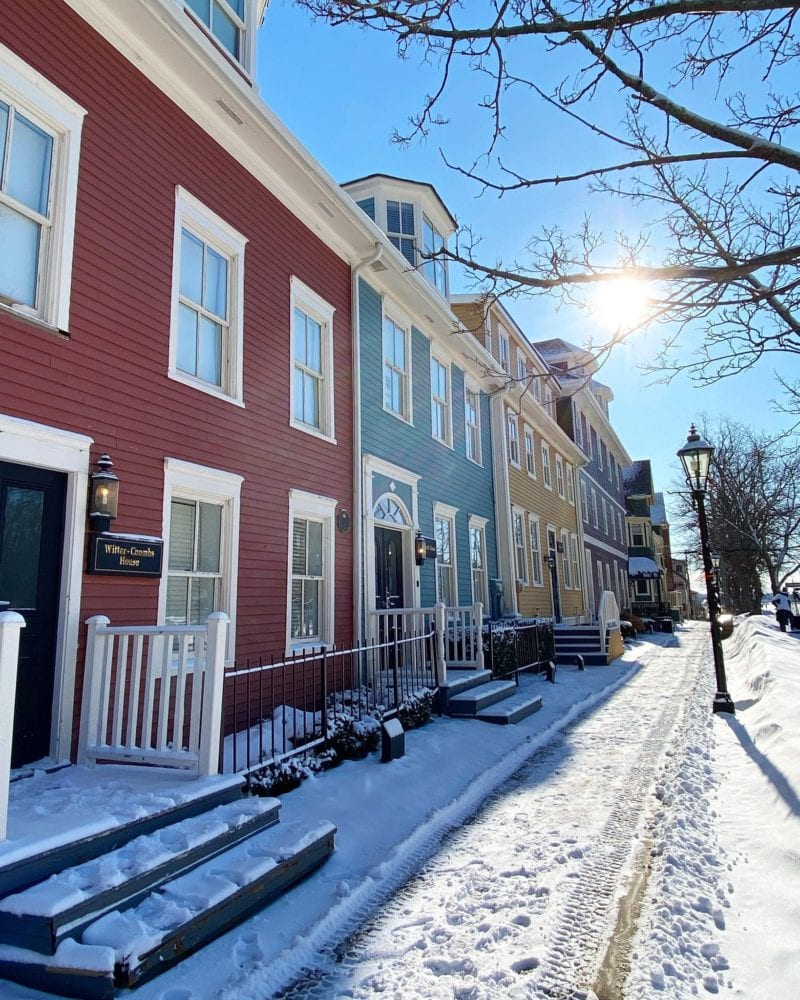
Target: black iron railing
point(278, 709)
point(516, 645)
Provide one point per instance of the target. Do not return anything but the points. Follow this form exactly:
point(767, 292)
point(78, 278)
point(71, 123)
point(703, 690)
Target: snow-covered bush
point(415, 709)
point(281, 776)
point(351, 738)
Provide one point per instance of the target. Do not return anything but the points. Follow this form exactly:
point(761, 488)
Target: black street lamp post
point(695, 458)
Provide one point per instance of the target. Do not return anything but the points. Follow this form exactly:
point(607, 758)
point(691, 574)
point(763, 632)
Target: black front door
point(388, 568)
point(31, 537)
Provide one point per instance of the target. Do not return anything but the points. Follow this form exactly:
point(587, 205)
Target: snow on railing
point(11, 624)
point(607, 616)
point(153, 694)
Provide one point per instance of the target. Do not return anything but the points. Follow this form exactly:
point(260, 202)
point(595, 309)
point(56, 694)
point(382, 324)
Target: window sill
point(206, 387)
point(475, 461)
point(312, 431)
point(399, 416)
point(33, 320)
point(441, 441)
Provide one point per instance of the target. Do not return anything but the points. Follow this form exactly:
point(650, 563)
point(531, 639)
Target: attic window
point(225, 19)
point(400, 228)
point(434, 268)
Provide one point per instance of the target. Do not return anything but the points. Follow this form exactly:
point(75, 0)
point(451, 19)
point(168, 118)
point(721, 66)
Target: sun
point(620, 303)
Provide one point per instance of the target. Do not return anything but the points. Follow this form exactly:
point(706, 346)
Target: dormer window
point(400, 228)
point(434, 268)
point(226, 21)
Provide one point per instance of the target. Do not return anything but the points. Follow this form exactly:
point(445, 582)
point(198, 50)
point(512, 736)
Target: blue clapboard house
point(426, 487)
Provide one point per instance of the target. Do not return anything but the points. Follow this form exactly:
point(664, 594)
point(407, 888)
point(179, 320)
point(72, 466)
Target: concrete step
point(511, 710)
point(40, 917)
point(472, 701)
point(463, 680)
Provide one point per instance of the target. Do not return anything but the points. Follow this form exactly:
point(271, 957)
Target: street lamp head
point(715, 560)
point(695, 458)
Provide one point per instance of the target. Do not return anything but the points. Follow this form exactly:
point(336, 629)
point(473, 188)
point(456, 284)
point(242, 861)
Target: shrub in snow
point(351, 738)
point(281, 776)
point(415, 710)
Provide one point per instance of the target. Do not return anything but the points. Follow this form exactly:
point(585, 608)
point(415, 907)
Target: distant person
point(782, 608)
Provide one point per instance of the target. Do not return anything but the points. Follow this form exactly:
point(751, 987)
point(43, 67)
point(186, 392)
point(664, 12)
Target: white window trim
point(595, 515)
point(560, 482)
point(570, 474)
point(584, 500)
point(315, 507)
point(206, 39)
point(537, 577)
point(471, 387)
point(202, 221)
point(448, 430)
point(402, 322)
point(513, 420)
point(200, 482)
point(480, 523)
point(519, 512)
point(448, 513)
point(576, 561)
point(504, 342)
point(566, 564)
point(527, 429)
point(306, 299)
point(36, 95)
point(547, 472)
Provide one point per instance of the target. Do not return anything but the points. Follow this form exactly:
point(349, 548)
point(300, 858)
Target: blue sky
point(344, 92)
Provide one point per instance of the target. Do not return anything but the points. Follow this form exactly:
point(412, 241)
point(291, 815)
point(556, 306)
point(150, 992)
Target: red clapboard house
point(175, 293)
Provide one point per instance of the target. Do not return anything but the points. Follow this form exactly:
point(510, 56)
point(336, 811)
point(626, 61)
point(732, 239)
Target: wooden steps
point(128, 913)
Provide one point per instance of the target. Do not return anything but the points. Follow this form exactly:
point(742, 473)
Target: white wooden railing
point(153, 694)
point(607, 616)
point(10, 626)
point(459, 641)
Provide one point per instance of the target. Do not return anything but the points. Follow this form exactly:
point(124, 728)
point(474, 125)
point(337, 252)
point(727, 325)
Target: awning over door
point(643, 568)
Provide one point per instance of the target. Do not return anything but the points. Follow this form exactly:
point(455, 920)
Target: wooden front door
point(31, 539)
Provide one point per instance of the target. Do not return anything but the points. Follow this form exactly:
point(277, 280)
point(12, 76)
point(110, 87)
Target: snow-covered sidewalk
point(720, 909)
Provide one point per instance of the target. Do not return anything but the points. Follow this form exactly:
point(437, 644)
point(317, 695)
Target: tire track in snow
point(637, 723)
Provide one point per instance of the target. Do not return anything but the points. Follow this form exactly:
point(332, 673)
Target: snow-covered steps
point(76, 970)
point(510, 710)
point(459, 681)
point(191, 910)
point(26, 870)
point(41, 917)
point(472, 701)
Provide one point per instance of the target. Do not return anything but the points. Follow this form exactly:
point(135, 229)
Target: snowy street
point(520, 901)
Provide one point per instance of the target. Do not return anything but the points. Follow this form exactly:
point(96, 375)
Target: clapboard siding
point(447, 475)
point(108, 378)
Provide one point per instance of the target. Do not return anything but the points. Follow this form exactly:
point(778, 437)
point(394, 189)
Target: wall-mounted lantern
point(103, 494)
point(420, 548)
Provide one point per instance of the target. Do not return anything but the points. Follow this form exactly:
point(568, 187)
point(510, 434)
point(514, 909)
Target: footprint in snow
point(247, 952)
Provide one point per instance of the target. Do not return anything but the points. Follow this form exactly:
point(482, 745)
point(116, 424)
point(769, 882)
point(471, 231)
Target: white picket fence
point(153, 694)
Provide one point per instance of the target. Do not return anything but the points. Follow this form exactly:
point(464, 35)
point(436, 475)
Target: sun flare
point(620, 303)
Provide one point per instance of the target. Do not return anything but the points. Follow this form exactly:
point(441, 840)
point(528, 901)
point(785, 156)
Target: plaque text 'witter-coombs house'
point(125, 556)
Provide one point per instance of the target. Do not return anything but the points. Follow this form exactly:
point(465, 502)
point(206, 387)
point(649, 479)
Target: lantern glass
point(104, 495)
point(695, 458)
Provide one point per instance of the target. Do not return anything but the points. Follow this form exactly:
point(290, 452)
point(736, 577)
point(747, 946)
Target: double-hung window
point(504, 350)
point(560, 476)
point(584, 501)
point(226, 20)
point(311, 566)
point(530, 453)
point(570, 484)
point(434, 267)
point(40, 135)
point(536, 550)
point(513, 439)
point(441, 425)
point(400, 228)
point(472, 424)
point(396, 397)
point(576, 568)
point(522, 368)
point(477, 554)
point(201, 526)
point(546, 476)
point(312, 362)
point(520, 560)
point(207, 300)
point(595, 518)
point(444, 530)
point(566, 566)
